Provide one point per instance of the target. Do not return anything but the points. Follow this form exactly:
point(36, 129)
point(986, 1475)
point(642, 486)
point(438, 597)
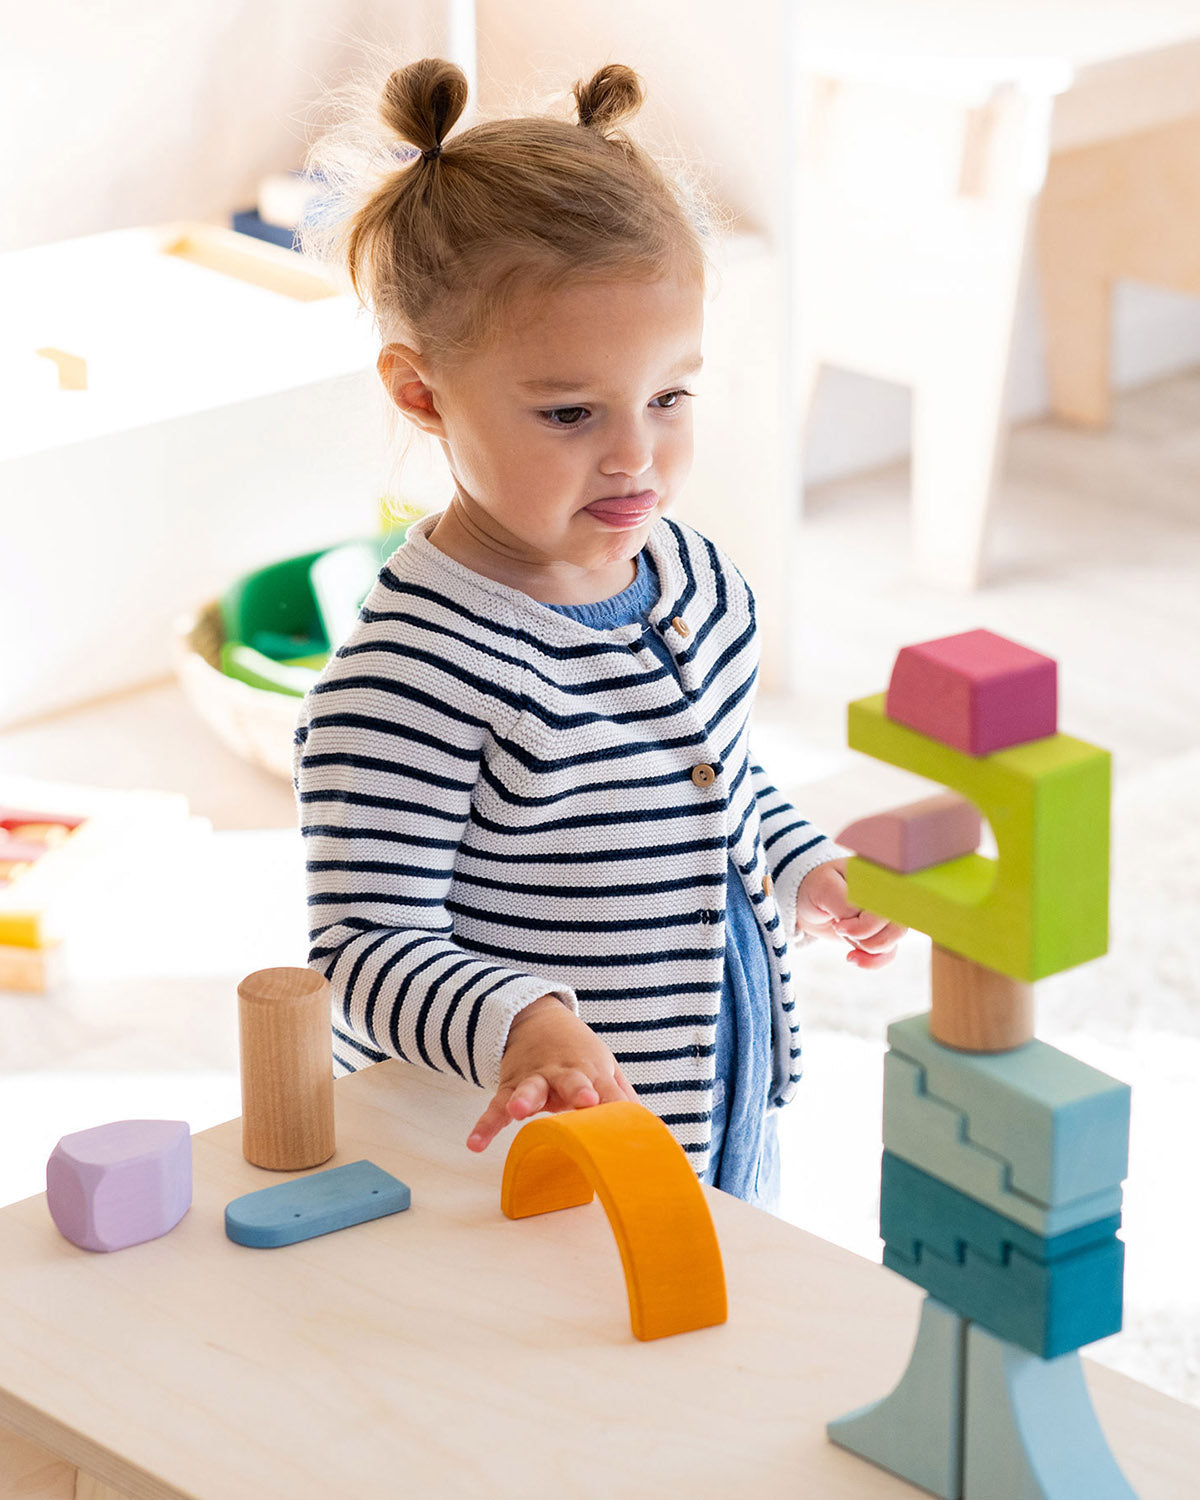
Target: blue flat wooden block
point(1030, 1432)
point(1048, 1309)
point(1062, 1126)
point(933, 1136)
point(915, 1206)
point(305, 1207)
point(916, 1431)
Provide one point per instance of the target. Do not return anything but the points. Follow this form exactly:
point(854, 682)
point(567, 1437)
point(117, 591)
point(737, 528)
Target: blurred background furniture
point(928, 140)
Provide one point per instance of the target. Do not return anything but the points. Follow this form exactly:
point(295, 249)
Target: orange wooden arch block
point(654, 1202)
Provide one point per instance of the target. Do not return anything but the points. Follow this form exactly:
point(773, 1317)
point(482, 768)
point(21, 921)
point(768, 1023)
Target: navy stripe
point(437, 658)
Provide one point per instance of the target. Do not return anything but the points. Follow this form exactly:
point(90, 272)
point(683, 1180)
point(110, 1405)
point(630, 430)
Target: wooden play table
point(448, 1352)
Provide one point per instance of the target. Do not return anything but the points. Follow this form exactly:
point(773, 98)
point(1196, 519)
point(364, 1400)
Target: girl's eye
point(670, 400)
point(565, 416)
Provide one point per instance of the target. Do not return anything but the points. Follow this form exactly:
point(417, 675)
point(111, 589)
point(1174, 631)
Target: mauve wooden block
point(120, 1184)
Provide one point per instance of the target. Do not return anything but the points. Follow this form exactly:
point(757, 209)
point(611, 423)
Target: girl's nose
point(627, 451)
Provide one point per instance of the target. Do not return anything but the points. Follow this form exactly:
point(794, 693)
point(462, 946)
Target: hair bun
point(613, 94)
point(422, 102)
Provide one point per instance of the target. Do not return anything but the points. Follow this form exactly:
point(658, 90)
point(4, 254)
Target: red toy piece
point(976, 692)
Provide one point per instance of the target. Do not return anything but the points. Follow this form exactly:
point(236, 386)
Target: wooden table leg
point(87, 1488)
point(1118, 208)
point(28, 1472)
point(914, 216)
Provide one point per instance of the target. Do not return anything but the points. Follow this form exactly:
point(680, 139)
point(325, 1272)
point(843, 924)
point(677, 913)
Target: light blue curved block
point(1030, 1432)
point(916, 1432)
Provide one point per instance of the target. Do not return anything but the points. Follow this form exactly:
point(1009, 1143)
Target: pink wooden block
point(920, 834)
point(120, 1184)
point(976, 692)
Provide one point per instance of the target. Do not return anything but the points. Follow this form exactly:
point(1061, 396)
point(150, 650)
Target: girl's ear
point(405, 384)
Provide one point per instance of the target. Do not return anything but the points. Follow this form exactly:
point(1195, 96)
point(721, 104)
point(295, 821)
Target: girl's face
point(569, 435)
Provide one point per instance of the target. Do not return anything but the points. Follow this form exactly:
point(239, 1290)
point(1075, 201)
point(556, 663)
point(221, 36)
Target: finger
point(490, 1123)
point(861, 926)
point(861, 959)
point(569, 1088)
point(529, 1096)
point(623, 1083)
point(610, 1091)
point(881, 941)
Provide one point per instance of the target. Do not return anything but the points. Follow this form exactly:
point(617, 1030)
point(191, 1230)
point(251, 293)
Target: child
point(540, 854)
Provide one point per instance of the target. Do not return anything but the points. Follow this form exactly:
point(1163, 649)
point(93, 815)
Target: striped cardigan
point(499, 802)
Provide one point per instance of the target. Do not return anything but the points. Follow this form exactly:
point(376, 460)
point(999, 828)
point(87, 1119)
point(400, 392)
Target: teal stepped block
point(1062, 1126)
point(934, 1136)
point(915, 1208)
point(1048, 1295)
point(916, 1431)
point(1029, 1430)
point(1048, 1309)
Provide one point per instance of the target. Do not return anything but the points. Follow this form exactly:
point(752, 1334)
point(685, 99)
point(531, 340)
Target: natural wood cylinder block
point(287, 1069)
point(976, 1009)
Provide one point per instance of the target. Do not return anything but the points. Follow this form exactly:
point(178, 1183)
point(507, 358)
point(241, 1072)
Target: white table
point(447, 1351)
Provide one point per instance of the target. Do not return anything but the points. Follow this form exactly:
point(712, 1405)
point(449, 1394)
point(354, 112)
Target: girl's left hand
point(824, 910)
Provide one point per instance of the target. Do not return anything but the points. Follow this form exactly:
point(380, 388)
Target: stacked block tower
point(1003, 1157)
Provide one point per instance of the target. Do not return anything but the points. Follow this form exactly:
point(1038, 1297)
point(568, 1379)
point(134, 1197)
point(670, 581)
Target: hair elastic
point(431, 153)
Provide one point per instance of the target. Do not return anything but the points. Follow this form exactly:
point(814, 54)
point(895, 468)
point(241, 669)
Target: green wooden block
point(259, 671)
point(1062, 1126)
point(933, 1136)
point(1042, 905)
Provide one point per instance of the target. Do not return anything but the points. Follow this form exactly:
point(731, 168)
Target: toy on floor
point(1003, 1157)
point(308, 1207)
point(28, 840)
point(120, 1184)
point(286, 1069)
point(655, 1205)
point(281, 622)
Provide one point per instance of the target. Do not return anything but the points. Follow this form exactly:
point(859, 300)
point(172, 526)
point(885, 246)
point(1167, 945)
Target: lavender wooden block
point(120, 1184)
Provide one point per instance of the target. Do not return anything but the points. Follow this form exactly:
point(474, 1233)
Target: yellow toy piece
point(1042, 905)
point(654, 1202)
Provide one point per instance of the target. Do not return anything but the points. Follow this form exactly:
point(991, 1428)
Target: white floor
point(1096, 554)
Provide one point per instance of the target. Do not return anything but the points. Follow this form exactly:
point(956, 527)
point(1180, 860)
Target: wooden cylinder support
point(976, 1009)
point(287, 1069)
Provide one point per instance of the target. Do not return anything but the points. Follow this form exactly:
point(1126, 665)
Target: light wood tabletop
point(447, 1351)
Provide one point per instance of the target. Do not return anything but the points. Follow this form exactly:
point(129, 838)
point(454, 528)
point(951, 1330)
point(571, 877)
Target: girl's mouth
point(623, 511)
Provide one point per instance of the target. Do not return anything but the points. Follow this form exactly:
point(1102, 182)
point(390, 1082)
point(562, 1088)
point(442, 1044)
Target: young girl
point(540, 854)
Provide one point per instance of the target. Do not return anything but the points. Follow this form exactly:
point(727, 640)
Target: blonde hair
point(448, 229)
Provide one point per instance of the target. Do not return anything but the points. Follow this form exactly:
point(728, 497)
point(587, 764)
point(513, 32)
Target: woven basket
point(256, 724)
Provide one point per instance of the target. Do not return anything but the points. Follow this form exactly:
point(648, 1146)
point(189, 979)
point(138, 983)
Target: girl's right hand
point(552, 1061)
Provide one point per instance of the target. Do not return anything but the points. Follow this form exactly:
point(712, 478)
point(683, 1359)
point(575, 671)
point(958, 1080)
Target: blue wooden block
point(1062, 1126)
point(1048, 1309)
point(932, 1135)
point(916, 1431)
point(913, 1206)
point(1030, 1432)
point(304, 1207)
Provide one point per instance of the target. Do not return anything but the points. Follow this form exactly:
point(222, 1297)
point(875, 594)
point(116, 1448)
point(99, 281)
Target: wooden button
point(768, 885)
point(681, 625)
point(703, 775)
